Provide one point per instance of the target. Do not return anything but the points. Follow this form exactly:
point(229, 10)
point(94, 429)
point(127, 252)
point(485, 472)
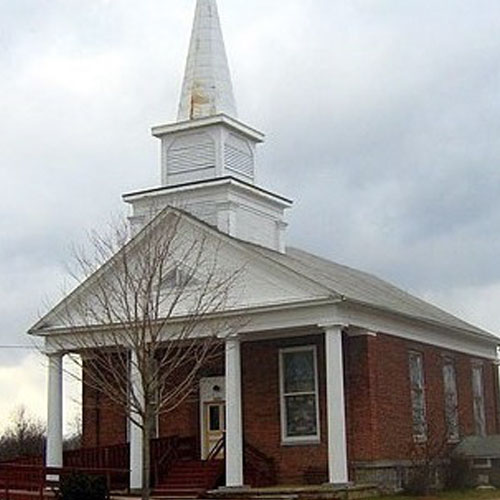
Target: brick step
point(183, 484)
point(26, 495)
point(187, 463)
point(189, 481)
point(199, 468)
point(193, 472)
point(178, 492)
point(188, 477)
point(171, 497)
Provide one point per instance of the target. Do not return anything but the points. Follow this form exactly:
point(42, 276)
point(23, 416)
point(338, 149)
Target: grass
point(452, 495)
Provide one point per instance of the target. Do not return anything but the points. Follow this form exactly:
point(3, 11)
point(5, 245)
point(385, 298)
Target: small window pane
point(299, 372)
point(301, 415)
point(214, 418)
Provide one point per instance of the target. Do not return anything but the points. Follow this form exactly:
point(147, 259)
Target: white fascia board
point(418, 331)
point(307, 313)
point(280, 320)
point(171, 128)
point(210, 185)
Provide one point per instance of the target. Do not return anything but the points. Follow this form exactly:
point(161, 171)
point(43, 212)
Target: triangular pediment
point(261, 282)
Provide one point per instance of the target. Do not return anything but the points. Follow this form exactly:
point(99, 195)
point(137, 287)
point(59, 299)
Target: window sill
point(420, 439)
point(301, 442)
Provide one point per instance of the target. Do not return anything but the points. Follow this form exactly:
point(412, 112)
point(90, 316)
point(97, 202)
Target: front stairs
point(190, 479)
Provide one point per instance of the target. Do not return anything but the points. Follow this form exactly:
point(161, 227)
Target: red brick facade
point(378, 402)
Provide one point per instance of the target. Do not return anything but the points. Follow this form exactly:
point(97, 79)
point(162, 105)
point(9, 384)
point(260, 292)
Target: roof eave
point(486, 336)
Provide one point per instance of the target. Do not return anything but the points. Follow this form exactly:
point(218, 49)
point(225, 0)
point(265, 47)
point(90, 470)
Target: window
point(418, 396)
point(481, 463)
point(451, 399)
point(478, 395)
point(299, 395)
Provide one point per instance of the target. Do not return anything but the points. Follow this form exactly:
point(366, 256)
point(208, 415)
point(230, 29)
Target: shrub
point(83, 487)
point(458, 474)
point(420, 480)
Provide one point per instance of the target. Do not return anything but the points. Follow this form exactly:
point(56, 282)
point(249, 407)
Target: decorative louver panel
point(239, 156)
point(193, 152)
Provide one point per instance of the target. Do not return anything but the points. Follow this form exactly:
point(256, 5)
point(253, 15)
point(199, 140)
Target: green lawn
point(452, 495)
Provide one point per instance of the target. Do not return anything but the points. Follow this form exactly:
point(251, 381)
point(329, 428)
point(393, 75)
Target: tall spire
point(207, 89)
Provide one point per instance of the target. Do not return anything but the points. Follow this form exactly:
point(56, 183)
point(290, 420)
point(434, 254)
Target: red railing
point(109, 457)
point(36, 478)
point(260, 470)
point(164, 451)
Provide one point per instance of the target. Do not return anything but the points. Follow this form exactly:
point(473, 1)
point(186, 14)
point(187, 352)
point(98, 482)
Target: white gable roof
point(275, 278)
point(364, 288)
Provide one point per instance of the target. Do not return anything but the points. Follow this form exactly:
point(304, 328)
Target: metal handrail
point(219, 446)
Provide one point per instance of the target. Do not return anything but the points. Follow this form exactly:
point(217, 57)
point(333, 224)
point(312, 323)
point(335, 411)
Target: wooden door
point(214, 426)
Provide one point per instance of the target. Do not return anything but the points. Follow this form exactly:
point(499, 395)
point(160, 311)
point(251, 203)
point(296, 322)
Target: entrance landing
point(321, 492)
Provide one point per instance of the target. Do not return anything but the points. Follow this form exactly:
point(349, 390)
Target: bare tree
point(154, 306)
point(23, 438)
point(430, 454)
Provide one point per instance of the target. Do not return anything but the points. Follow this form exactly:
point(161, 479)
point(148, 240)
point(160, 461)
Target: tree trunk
point(146, 457)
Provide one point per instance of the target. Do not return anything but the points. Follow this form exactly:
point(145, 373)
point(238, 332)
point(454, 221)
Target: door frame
point(212, 390)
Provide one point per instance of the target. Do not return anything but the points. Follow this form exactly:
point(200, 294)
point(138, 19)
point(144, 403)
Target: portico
point(238, 391)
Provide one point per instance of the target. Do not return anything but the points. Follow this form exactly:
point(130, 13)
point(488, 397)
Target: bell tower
point(208, 156)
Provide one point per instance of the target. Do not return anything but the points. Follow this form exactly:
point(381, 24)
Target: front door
point(215, 425)
point(212, 415)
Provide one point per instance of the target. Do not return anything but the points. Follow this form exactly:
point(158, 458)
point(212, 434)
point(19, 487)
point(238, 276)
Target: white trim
point(480, 466)
point(207, 396)
point(234, 421)
point(477, 366)
point(136, 432)
point(220, 119)
point(418, 331)
point(54, 448)
point(418, 438)
point(295, 440)
point(336, 405)
point(449, 361)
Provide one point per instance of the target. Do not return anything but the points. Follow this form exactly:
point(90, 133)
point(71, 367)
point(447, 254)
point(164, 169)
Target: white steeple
point(208, 157)
point(207, 89)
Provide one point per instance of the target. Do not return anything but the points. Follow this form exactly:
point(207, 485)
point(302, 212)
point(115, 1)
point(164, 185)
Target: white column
point(54, 452)
point(234, 425)
point(136, 435)
point(335, 401)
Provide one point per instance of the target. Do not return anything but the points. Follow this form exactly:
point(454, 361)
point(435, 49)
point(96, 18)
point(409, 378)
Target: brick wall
point(103, 422)
point(378, 402)
point(261, 408)
point(360, 357)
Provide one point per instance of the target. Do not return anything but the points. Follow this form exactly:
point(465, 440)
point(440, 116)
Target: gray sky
point(382, 121)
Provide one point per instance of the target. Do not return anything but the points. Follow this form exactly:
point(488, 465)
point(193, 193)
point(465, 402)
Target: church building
point(335, 376)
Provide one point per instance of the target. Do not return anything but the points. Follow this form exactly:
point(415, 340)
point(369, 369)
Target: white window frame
point(480, 463)
point(419, 438)
point(452, 438)
point(310, 439)
point(478, 365)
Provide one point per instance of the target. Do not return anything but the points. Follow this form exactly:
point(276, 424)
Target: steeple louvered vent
point(191, 152)
point(238, 156)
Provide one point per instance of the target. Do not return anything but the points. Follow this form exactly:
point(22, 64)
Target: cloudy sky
point(382, 121)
